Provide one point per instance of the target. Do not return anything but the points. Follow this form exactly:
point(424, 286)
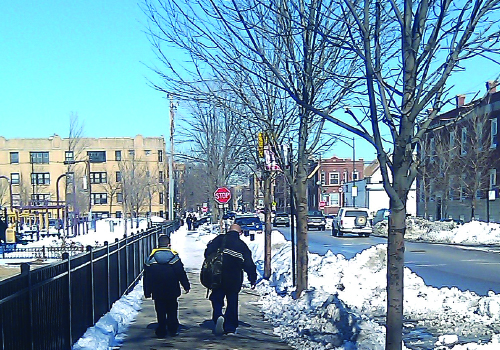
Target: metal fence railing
point(51, 307)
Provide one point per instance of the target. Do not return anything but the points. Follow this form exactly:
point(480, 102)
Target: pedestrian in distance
point(163, 275)
point(189, 221)
point(236, 259)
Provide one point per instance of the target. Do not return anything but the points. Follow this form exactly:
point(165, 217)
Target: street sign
point(322, 204)
point(222, 195)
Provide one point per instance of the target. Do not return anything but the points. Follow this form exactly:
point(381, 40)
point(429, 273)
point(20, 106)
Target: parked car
point(201, 221)
point(381, 215)
point(352, 220)
point(249, 223)
point(316, 219)
point(281, 219)
point(329, 220)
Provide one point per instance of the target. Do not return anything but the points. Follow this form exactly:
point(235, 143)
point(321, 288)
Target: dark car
point(316, 219)
point(381, 215)
point(229, 215)
point(201, 221)
point(249, 223)
point(281, 219)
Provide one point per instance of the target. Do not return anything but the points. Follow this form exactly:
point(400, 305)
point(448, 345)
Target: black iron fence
point(51, 307)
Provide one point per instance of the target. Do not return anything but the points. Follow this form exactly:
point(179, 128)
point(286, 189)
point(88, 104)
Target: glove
point(253, 284)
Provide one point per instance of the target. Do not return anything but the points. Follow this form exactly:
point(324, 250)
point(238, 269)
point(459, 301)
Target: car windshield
point(315, 213)
point(354, 213)
point(246, 221)
point(283, 215)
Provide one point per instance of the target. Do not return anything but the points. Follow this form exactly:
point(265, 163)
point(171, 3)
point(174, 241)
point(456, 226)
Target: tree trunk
point(395, 266)
point(302, 244)
point(268, 228)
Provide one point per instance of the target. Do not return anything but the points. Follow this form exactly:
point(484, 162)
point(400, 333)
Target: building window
point(39, 157)
point(99, 198)
point(118, 176)
point(493, 133)
point(98, 178)
point(118, 214)
point(160, 176)
point(119, 197)
point(432, 150)
point(16, 199)
point(14, 157)
point(14, 178)
point(131, 153)
point(463, 188)
point(97, 156)
point(68, 156)
point(355, 175)
point(463, 142)
point(334, 200)
point(160, 156)
point(40, 178)
point(322, 179)
point(161, 198)
point(346, 176)
point(40, 198)
point(452, 140)
point(479, 135)
point(147, 152)
point(334, 179)
point(69, 177)
point(118, 156)
point(493, 178)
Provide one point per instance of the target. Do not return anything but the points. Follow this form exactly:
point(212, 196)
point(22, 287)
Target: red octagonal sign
point(222, 195)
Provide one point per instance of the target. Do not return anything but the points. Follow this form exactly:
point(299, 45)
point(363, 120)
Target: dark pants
point(231, 314)
point(166, 313)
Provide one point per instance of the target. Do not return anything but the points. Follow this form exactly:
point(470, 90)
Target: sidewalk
point(195, 316)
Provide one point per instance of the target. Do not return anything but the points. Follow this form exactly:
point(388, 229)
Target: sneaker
point(161, 333)
point(219, 326)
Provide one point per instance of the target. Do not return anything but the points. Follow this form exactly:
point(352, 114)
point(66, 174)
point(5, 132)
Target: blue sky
point(88, 57)
point(84, 57)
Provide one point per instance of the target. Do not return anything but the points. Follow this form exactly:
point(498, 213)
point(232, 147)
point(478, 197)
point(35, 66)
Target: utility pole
point(171, 161)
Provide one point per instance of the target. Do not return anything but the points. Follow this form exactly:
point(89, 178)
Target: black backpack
point(211, 270)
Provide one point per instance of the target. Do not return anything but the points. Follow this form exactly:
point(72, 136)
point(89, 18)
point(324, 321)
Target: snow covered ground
point(344, 307)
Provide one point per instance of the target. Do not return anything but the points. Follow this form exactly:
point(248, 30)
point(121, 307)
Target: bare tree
point(282, 38)
point(134, 184)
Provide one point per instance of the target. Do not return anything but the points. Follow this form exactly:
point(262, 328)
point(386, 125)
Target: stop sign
point(222, 195)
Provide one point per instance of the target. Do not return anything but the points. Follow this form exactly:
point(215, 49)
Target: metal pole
point(171, 163)
point(57, 201)
point(353, 169)
point(292, 220)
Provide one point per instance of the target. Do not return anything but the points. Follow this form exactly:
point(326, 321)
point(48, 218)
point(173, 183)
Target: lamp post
point(89, 184)
point(10, 189)
point(57, 199)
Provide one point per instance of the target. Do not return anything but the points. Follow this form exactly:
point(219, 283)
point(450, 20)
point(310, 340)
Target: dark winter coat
point(237, 258)
point(163, 271)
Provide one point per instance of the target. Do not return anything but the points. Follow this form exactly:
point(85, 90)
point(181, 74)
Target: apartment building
point(334, 174)
point(104, 176)
point(460, 158)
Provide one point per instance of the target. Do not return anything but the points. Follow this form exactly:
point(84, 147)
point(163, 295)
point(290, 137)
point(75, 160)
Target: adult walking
point(163, 275)
point(236, 259)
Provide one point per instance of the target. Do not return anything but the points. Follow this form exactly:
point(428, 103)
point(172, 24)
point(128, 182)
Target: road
point(467, 268)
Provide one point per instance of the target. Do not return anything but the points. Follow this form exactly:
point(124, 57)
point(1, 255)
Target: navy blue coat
point(163, 274)
point(237, 258)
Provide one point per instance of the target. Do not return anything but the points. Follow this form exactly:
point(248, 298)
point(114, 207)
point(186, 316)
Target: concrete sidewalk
point(195, 316)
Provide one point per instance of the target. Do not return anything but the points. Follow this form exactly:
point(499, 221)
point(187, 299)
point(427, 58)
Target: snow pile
point(111, 328)
point(472, 233)
point(347, 297)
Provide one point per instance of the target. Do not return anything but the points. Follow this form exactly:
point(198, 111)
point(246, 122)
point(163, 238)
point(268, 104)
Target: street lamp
point(57, 198)
point(87, 163)
point(10, 189)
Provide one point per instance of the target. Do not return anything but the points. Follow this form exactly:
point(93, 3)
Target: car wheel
point(367, 235)
point(322, 228)
point(341, 234)
point(287, 225)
